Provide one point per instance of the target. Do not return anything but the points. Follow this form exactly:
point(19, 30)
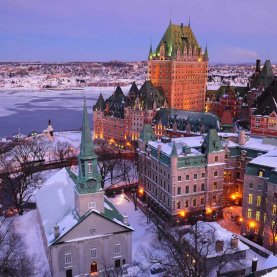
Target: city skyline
point(237, 32)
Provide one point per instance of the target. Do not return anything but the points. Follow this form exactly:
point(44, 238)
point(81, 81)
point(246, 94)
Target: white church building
point(83, 233)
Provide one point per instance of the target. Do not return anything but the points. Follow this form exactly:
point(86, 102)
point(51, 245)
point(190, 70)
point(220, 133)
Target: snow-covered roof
point(268, 159)
point(55, 203)
point(179, 143)
point(211, 232)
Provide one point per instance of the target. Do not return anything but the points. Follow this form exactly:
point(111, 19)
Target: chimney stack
point(258, 66)
point(56, 231)
point(219, 244)
point(254, 264)
point(242, 137)
point(234, 242)
point(125, 219)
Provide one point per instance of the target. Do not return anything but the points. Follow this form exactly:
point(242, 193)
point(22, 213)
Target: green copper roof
point(147, 134)
point(177, 36)
point(212, 142)
point(86, 147)
point(174, 150)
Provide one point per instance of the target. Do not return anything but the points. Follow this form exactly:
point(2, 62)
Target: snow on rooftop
point(179, 143)
point(212, 231)
point(268, 159)
point(55, 203)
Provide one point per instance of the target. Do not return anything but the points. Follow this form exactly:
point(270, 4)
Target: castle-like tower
point(180, 67)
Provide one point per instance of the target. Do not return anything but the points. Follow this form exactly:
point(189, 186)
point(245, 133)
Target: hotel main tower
point(180, 67)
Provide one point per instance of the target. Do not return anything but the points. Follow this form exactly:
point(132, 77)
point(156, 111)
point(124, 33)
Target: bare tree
point(185, 252)
point(18, 167)
point(62, 150)
point(14, 261)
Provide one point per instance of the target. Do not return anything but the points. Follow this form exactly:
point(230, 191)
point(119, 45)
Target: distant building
point(179, 179)
point(120, 119)
point(179, 66)
point(83, 233)
point(264, 116)
point(229, 104)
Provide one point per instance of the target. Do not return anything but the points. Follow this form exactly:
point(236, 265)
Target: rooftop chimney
point(234, 242)
point(242, 137)
point(56, 231)
point(219, 244)
point(254, 264)
point(258, 66)
point(125, 219)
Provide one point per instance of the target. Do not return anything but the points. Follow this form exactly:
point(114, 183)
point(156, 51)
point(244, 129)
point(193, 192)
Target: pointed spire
point(174, 150)
point(206, 55)
point(189, 21)
point(150, 52)
point(170, 18)
point(86, 147)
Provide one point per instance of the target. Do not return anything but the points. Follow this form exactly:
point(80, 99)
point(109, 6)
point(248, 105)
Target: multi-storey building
point(180, 178)
point(180, 67)
point(120, 119)
point(260, 200)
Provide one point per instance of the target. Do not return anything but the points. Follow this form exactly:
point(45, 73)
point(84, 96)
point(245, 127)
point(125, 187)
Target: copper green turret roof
point(212, 142)
point(147, 134)
point(174, 150)
point(177, 36)
point(206, 55)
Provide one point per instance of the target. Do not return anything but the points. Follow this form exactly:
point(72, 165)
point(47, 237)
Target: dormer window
point(261, 173)
point(89, 167)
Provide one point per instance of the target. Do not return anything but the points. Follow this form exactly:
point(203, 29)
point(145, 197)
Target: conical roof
point(100, 104)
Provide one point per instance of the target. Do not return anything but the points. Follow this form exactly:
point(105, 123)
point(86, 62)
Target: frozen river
point(31, 110)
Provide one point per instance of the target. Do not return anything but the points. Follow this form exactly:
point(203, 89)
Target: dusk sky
point(236, 31)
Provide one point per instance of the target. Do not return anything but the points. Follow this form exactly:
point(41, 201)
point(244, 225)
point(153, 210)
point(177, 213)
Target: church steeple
point(88, 177)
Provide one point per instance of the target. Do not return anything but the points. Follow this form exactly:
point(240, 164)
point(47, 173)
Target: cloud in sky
point(106, 30)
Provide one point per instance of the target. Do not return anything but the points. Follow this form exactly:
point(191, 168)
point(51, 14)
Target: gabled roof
point(55, 204)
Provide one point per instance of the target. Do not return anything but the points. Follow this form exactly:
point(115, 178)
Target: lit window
point(261, 173)
point(117, 248)
point(247, 228)
point(259, 200)
point(215, 185)
point(67, 258)
point(89, 167)
point(258, 215)
point(178, 204)
point(256, 230)
point(249, 213)
point(93, 253)
point(250, 198)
